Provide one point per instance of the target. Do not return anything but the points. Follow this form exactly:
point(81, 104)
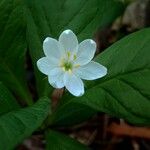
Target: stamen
point(66, 65)
point(70, 71)
point(74, 57)
point(62, 61)
point(68, 54)
point(77, 66)
point(63, 68)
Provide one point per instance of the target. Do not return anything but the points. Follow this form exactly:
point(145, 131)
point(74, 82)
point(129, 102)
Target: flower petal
point(74, 84)
point(69, 41)
point(57, 80)
point(91, 71)
point(85, 52)
point(45, 65)
point(52, 48)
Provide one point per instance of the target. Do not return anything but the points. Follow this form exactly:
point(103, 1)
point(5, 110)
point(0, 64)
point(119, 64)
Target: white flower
point(67, 62)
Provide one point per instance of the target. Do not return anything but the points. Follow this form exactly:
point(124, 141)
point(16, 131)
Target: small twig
point(126, 130)
point(57, 94)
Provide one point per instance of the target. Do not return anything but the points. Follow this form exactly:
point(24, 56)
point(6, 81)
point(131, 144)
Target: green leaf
point(50, 18)
point(7, 101)
point(125, 91)
point(58, 141)
point(13, 48)
point(82, 16)
point(70, 113)
point(18, 125)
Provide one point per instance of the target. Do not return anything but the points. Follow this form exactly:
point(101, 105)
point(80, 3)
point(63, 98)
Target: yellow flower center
point(67, 66)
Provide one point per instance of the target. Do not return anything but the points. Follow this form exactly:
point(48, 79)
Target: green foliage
point(72, 112)
point(7, 101)
point(124, 92)
point(19, 124)
point(13, 48)
point(58, 141)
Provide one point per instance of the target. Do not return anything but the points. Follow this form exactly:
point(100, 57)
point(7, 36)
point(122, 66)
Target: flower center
point(67, 66)
point(67, 63)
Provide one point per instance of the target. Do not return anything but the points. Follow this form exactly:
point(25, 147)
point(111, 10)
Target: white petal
point(55, 71)
point(52, 48)
point(85, 52)
point(91, 71)
point(69, 41)
point(45, 65)
point(57, 80)
point(74, 84)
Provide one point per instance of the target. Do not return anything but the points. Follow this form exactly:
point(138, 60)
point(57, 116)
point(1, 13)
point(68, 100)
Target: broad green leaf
point(59, 141)
point(125, 91)
point(18, 125)
point(70, 114)
point(7, 101)
point(13, 48)
point(82, 16)
point(50, 18)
